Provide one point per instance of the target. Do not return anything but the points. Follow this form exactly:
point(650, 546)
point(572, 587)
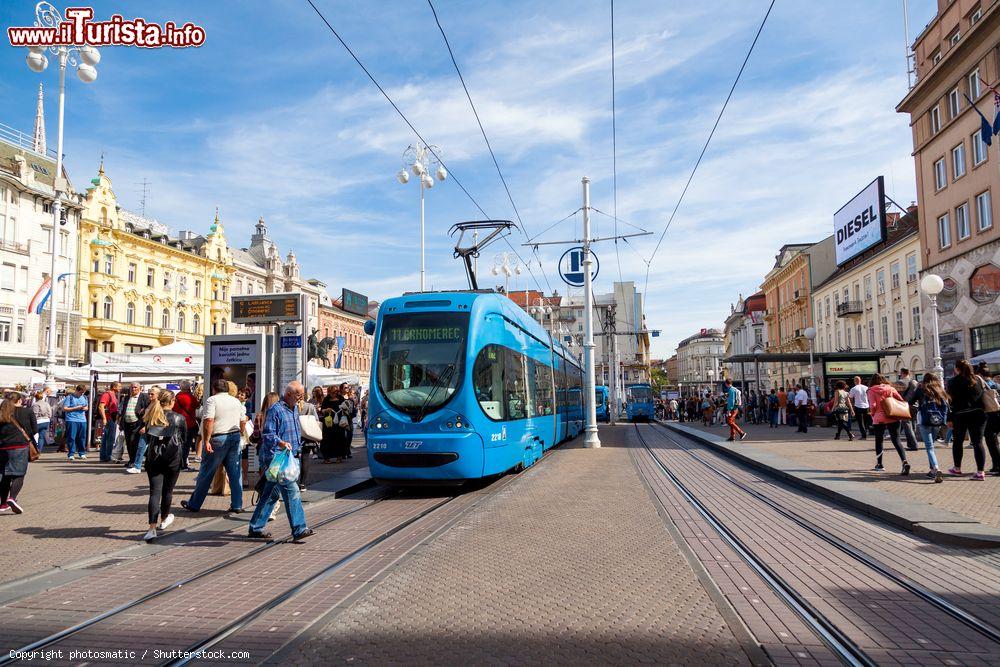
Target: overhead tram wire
point(406, 120)
point(709, 140)
point(489, 147)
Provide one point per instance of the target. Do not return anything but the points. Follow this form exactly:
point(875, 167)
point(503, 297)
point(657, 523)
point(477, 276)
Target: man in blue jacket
point(281, 431)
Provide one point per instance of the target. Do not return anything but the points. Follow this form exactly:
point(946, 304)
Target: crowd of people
point(165, 433)
point(931, 411)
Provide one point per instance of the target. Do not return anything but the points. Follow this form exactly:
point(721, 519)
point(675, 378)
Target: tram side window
point(543, 389)
point(515, 386)
point(487, 377)
point(561, 390)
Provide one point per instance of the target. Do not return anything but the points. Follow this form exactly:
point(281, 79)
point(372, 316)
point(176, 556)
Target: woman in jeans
point(967, 417)
point(933, 410)
point(163, 433)
point(842, 410)
point(42, 410)
point(878, 390)
point(17, 427)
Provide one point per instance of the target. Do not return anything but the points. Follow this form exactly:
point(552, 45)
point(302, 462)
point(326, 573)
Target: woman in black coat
point(968, 417)
point(17, 426)
point(332, 445)
point(164, 432)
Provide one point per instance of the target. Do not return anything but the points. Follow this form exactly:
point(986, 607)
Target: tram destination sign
point(267, 308)
point(353, 302)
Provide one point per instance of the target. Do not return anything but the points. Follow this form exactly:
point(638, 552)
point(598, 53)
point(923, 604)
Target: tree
point(659, 380)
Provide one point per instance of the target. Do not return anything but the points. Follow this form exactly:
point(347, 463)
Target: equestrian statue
point(319, 349)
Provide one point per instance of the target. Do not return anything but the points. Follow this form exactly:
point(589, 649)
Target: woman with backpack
point(932, 401)
point(879, 389)
point(967, 417)
point(841, 410)
point(163, 431)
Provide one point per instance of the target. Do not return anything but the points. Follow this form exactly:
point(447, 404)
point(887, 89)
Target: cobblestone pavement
point(84, 509)
point(890, 624)
point(853, 461)
point(570, 564)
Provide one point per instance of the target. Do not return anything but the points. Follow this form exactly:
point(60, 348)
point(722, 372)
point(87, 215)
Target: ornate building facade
point(334, 321)
point(140, 288)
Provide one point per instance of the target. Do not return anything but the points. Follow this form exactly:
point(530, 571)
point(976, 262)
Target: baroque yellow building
point(141, 288)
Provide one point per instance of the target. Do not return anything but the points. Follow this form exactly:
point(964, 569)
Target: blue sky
point(271, 117)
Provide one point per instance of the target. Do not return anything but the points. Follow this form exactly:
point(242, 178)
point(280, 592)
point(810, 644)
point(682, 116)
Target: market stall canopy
point(320, 376)
point(176, 360)
point(989, 357)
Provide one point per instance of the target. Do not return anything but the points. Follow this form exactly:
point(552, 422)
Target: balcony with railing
point(848, 308)
point(14, 246)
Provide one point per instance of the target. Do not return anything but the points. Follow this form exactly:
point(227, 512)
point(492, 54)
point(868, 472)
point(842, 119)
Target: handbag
point(895, 408)
point(310, 428)
point(32, 450)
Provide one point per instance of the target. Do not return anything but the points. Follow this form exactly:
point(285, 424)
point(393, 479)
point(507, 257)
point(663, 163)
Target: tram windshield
point(639, 394)
point(420, 359)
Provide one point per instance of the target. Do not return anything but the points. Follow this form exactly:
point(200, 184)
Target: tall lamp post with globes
point(810, 334)
point(422, 160)
point(931, 285)
point(47, 16)
point(507, 264)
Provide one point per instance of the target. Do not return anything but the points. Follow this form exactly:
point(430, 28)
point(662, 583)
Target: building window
point(197, 289)
point(165, 319)
point(940, 175)
point(166, 279)
point(958, 161)
point(222, 326)
point(973, 80)
point(915, 322)
point(955, 36)
point(880, 280)
point(868, 288)
point(984, 211)
point(847, 336)
point(900, 334)
point(64, 244)
point(149, 316)
point(96, 268)
point(131, 272)
point(93, 310)
point(7, 277)
point(985, 339)
point(871, 335)
point(954, 103)
point(107, 346)
point(109, 308)
point(182, 284)
point(984, 284)
point(894, 275)
point(944, 232)
point(239, 286)
point(936, 58)
point(827, 307)
point(858, 338)
point(180, 321)
point(150, 277)
point(5, 326)
point(885, 331)
point(249, 288)
point(130, 313)
point(978, 149)
point(911, 267)
point(109, 265)
point(196, 323)
point(935, 118)
point(962, 226)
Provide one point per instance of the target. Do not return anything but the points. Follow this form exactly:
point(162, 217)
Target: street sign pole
point(591, 439)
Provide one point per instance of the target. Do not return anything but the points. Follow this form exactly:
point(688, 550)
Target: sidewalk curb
point(932, 523)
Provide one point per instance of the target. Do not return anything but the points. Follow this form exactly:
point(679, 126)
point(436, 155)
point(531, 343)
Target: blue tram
point(601, 401)
point(465, 385)
point(639, 402)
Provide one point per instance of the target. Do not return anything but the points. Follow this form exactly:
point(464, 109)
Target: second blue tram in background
point(639, 402)
point(466, 385)
point(601, 402)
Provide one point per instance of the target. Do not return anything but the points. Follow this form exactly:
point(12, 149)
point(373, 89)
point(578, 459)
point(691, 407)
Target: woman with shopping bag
point(887, 409)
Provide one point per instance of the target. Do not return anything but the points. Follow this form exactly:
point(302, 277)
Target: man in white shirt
point(801, 403)
point(222, 422)
point(859, 397)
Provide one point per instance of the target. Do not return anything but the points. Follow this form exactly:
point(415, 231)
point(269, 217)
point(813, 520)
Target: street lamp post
point(507, 264)
point(932, 285)
point(421, 160)
point(49, 17)
point(756, 363)
point(810, 334)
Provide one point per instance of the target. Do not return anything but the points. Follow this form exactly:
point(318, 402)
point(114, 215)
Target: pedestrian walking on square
point(349, 408)
point(734, 401)
point(879, 389)
point(137, 447)
point(281, 432)
point(782, 406)
point(842, 410)
point(163, 432)
point(772, 409)
point(308, 410)
point(186, 404)
point(107, 406)
point(42, 410)
point(932, 402)
point(908, 390)
point(991, 405)
point(968, 417)
point(222, 422)
point(130, 408)
point(859, 397)
point(75, 408)
point(801, 403)
point(706, 409)
point(16, 423)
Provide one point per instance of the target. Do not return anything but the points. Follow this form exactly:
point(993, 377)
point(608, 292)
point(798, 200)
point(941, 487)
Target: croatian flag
point(41, 297)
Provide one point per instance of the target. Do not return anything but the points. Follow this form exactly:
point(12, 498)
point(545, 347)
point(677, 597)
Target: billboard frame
point(881, 212)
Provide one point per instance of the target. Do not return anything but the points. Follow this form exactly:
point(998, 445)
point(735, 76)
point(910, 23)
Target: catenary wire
point(708, 141)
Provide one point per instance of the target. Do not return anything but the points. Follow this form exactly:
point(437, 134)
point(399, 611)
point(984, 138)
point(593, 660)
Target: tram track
point(54, 638)
point(974, 622)
point(842, 646)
